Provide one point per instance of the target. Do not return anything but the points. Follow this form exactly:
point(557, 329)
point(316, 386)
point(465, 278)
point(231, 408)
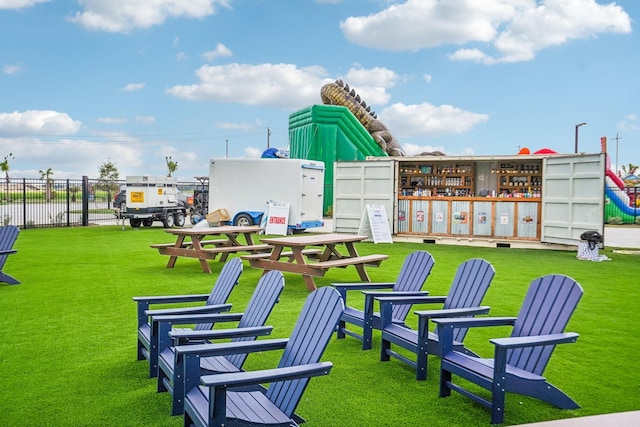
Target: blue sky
point(134, 81)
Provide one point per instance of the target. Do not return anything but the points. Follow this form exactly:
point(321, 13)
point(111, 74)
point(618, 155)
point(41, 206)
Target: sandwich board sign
point(277, 219)
point(374, 224)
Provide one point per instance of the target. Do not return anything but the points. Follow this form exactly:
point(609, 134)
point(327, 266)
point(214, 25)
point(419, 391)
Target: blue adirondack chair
point(250, 325)
point(8, 236)
point(415, 270)
point(520, 360)
point(469, 286)
point(218, 401)
point(214, 302)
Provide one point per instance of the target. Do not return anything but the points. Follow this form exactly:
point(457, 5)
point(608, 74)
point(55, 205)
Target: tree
point(630, 170)
point(4, 167)
point(108, 174)
point(49, 183)
point(171, 165)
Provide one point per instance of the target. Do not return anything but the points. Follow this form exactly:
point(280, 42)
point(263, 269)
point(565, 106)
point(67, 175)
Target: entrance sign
point(277, 219)
point(374, 224)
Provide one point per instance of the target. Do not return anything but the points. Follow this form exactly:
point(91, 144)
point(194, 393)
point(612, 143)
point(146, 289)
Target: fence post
point(68, 204)
point(24, 203)
point(85, 200)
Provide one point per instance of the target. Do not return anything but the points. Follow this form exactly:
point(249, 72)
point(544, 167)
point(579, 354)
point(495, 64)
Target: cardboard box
point(219, 215)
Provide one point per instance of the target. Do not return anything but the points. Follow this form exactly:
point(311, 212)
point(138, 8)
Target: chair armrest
point(171, 298)
point(143, 303)
point(363, 286)
point(399, 295)
point(475, 322)
point(504, 344)
point(189, 310)
point(222, 349)
point(197, 317)
point(8, 251)
point(420, 297)
point(342, 288)
point(235, 379)
point(453, 312)
point(183, 336)
point(388, 299)
point(536, 340)
point(447, 326)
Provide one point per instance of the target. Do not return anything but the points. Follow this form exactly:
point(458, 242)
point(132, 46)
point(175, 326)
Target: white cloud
point(12, 68)
point(122, 16)
point(630, 123)
point(416, 150)
point(515, 29)
point(253, 152)
point(181, 56)
point(38, 122)
point(474, 55)
point(133, 87)
point(372, 84)
point(427, 78)
point(112, 120)
point(220, 50)
point(70, 158)
point(237, 125)
point(147, 120)
point(19, 4)
point(275, 85)
point(428, 120)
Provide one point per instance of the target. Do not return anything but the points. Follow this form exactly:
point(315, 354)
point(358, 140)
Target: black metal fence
point(623, 206)
point(40, 203)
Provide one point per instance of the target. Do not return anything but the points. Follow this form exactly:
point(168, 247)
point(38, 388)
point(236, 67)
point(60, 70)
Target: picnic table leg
point(204, 264)
point(232, 240)
point(298, 258)
point(172, 259)
point(364, 276)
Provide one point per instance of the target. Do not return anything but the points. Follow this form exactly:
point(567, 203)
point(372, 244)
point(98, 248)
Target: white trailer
point(152, 198)
point(244, 187)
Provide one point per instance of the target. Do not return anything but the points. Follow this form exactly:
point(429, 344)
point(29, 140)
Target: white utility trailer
point(245, 187)
point(152, 198)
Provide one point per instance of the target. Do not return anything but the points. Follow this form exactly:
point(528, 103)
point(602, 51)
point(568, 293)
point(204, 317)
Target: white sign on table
point(374, 224)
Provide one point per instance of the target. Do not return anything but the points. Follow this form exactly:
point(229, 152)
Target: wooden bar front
point(517, 218)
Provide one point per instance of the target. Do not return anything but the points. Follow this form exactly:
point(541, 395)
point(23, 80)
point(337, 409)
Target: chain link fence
point(40, 203)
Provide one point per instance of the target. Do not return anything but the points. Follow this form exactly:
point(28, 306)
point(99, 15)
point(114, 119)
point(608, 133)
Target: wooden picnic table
point(205, 250)
point(314, 255)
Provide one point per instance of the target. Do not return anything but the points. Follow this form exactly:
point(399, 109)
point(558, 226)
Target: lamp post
point(577, 126)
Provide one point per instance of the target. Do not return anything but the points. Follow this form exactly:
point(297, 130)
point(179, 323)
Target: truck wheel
point(147, 222)
point(244, 220)
point(168, 221)
point(179, 219)
point(135, 222)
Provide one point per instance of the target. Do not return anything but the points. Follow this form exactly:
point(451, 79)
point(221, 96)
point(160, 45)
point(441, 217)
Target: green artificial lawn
point(68, 333)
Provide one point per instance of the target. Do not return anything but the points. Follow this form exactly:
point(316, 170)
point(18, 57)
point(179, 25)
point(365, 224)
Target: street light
point(577, 126)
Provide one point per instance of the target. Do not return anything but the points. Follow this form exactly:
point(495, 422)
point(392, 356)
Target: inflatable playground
point(620, 207)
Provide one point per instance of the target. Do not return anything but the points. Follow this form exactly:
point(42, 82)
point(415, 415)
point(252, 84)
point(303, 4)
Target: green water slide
point(329, 133)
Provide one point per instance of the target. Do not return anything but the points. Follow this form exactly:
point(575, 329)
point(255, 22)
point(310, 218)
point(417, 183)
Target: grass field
point(68, 334)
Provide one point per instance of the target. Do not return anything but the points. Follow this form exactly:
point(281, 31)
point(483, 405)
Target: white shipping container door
point(312, 191)
point(357, 184)
point(572, 197)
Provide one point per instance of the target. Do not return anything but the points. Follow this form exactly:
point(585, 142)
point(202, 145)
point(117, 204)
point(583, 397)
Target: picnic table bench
point(313, 255)
point(206, 250)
